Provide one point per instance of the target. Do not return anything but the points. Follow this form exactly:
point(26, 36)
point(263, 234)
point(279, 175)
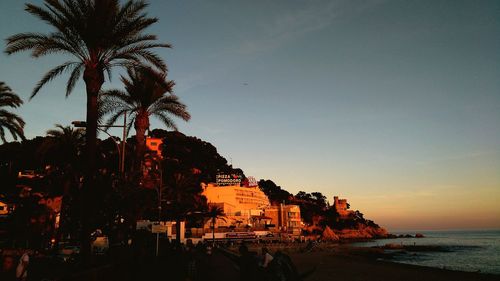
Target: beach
point(325, 262)
point(348, 263)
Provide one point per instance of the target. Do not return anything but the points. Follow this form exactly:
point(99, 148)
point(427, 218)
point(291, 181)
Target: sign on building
point(159, 228)
point(250, 182)
point(228, 179)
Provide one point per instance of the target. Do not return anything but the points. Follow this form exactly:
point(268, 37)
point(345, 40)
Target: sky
point(394, 105)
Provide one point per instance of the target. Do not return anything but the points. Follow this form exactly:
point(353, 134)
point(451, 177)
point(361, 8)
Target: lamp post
point(121, 152)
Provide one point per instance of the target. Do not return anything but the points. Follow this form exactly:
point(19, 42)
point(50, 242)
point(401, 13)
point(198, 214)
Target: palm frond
point(13, 123)
point(23, 41)
point(171, 104)
point(8, 120)
point(8, 97)
point(114, 117)
point(166, 120)
point(48, 16)
point(73, 78)
point(58, 43)
point(153, 58)
point(134, 52)
point(53, 73)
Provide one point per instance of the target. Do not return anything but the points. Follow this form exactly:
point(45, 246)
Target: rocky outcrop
point(329, 235)
point(362, 232)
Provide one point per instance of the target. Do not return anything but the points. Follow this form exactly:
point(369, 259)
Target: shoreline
point(346, 262)
point(351, 263)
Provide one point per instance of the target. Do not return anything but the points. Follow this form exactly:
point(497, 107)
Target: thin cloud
point(288, 26)
point(285, 27)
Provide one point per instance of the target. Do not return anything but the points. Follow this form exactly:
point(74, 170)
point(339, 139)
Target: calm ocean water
point(465, 250)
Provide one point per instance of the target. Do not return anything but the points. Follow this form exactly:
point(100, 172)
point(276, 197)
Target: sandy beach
point(347, 263)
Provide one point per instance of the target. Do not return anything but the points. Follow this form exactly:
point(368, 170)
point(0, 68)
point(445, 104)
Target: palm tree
point(98, 35)
point(8, 120)
point(147, 93)
point(215, 213)
point(64, 144)
point(183, 192)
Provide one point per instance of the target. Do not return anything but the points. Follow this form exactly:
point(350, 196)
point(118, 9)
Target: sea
point(473, 251)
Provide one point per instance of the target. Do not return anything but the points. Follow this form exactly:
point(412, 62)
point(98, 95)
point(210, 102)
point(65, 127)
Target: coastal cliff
point(362, 232)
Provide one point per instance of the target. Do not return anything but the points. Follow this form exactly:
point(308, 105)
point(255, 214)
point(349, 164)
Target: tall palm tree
point(214, 213)
point(147, 93)
point(98, 35)
point(65, 141)
point(183, 192)
point(8, 120)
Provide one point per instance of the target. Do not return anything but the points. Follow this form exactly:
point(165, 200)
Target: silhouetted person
point(249, 268)
point(22, 267)
point(266, 257)
point(192, 261)
point(281, 268)
point(8, 272)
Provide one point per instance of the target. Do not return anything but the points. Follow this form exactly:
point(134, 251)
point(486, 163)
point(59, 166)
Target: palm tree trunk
point(141, 124)
point(94, 78)
point(91, 133)
point(213, 232)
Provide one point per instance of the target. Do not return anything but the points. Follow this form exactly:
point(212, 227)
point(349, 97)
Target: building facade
point(249, 207)
point(242, 206)
point(286, 218)
point(341, 206)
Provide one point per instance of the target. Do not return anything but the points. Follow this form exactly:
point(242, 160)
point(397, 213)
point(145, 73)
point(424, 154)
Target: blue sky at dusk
point(394, 105)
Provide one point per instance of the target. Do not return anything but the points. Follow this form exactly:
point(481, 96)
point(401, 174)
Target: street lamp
point(121, 152)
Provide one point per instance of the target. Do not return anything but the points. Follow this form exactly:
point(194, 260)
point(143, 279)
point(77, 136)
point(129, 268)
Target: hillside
point(182, 153)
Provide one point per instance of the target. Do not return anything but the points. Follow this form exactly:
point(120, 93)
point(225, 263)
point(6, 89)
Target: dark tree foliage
point(63, 146)
point(31, 224)
point(275, 193)
point(312, 205)
point(319, 199)
point(332, 219)
point(109, 155)
point(181, 153)
point(15, 156)
point(192, 153)
point(187, 162)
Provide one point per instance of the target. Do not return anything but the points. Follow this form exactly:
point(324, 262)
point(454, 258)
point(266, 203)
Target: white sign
point(159, 228)
point(225, 179)
point(251, 181)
